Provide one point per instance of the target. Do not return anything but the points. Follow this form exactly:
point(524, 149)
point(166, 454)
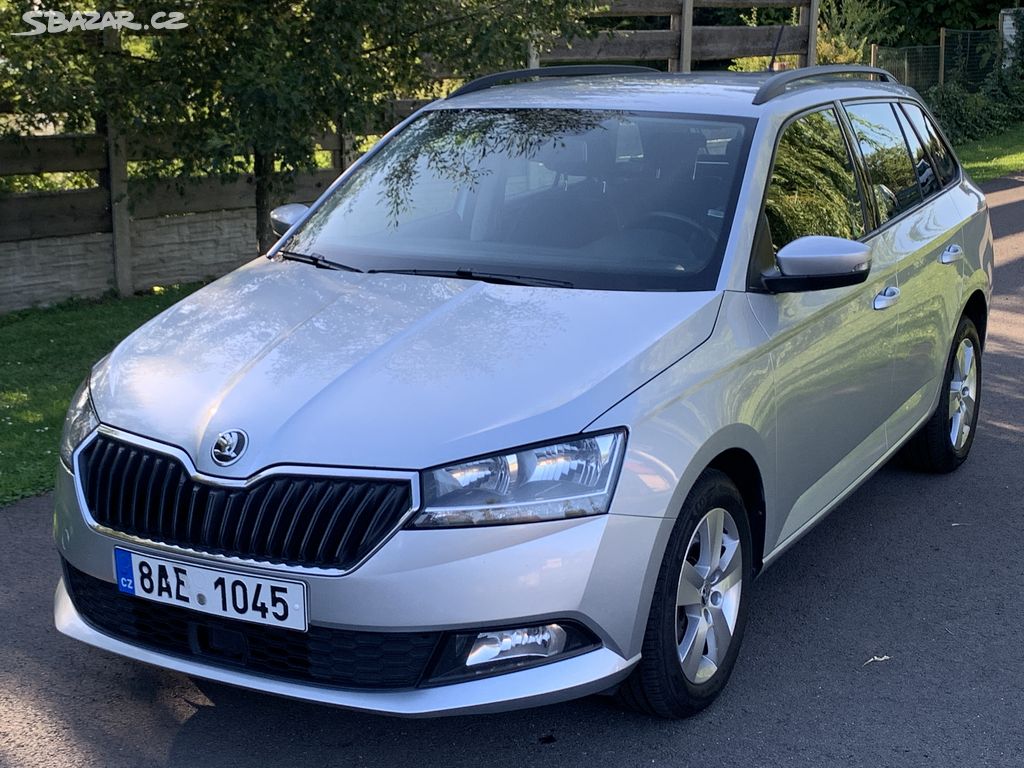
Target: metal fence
point(914, 65)
point(964, 56)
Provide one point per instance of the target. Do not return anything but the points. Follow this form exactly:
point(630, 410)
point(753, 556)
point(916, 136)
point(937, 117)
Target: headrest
point(574, 156)
point(669, 152)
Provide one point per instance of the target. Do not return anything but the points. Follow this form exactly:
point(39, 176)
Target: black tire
point(658, 686)
point(931, 449)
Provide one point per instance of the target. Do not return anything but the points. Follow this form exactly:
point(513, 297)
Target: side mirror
point(815, 263)
point(282, 217)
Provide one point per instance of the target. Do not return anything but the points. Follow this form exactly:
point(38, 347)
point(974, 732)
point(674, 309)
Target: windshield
point(588, 199)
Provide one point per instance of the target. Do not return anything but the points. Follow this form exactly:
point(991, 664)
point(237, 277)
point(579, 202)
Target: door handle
point(887, 298)
point(952, 254)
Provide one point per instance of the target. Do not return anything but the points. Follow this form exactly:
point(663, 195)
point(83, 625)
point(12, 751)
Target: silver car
point(519, 408)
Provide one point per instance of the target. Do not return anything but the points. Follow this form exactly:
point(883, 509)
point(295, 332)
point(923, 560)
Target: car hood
point(387, 371)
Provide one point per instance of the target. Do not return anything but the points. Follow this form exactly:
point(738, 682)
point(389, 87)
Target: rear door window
point(945, 163)
point(887, 158)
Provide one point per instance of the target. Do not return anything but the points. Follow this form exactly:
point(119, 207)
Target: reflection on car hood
point(392, 371)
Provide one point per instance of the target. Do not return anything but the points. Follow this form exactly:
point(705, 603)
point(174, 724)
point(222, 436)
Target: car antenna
point(775, 50)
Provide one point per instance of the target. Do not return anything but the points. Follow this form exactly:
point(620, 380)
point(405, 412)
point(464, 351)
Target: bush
point(965, 115)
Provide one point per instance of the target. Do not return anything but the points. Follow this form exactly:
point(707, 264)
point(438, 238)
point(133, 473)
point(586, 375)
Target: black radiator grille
point(325, 522)
point(333, 657)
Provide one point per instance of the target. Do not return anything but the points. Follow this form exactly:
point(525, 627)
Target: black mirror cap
point(776, 282)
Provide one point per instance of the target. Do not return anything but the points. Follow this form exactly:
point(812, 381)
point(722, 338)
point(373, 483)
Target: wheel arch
point(976, 309)
point(742, 468)
point(741, 453)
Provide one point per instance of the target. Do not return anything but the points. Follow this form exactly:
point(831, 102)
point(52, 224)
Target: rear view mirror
point(282, 217)
point(816, 263)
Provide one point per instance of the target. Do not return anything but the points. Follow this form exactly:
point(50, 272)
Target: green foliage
point(46, 182)
point(39, 371)
point(965, 115)
point(835, 48)
point(854, 24)
point(921, 19)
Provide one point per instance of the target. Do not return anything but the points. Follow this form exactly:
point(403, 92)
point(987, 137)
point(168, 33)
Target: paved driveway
point(924, 572)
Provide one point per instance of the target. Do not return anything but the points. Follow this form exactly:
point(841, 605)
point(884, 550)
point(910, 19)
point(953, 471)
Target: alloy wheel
point(963, 391)
point(708, 595)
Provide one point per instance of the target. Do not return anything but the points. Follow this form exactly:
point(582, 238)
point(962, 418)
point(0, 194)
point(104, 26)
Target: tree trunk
point(263, 168)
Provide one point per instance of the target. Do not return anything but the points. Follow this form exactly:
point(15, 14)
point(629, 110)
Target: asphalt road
point(925, 573)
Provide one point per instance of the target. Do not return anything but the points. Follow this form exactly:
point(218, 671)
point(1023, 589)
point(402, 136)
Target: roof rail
point(568, 70)
point(776, 84)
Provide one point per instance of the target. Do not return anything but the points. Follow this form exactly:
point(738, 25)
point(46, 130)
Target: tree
point(921, 19)
point(855, 24)
point(245, 86)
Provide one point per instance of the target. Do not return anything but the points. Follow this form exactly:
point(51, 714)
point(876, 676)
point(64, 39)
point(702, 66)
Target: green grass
point(994, 156)
point(44, 355)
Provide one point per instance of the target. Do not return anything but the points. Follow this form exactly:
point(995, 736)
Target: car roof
point(712, 93)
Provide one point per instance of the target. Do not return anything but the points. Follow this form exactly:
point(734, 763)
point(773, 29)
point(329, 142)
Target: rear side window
point(926, 175)
point(887, 159)
point(945, 164)
point(813, 190)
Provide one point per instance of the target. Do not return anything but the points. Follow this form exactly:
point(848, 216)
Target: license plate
point(257, 599)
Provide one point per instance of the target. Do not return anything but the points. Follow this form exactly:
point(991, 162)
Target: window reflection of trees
point(890, 171)
point(456, 146)
point(813, 190)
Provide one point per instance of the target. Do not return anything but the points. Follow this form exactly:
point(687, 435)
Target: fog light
point(488, 651)
point(537, 642)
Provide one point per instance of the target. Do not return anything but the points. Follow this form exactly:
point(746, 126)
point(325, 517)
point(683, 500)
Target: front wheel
point(943, 443)
point(699, 608)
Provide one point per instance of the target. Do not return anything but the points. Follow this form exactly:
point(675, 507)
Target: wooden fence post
point(942, 55)
point(120, 217)
point(686, 37)
point(874, 54)
point(809, 20)
point(338, 153)
point(675, 24)
point(117, 187)
point(532, 55)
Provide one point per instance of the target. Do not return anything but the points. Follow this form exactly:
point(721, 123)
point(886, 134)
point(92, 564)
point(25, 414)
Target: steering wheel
point(700, 239)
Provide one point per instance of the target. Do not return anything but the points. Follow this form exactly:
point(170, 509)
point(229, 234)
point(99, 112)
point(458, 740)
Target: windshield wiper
point(318, 261)
point(469, 274)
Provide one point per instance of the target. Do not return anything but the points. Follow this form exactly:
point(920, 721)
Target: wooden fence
point(118, 199)
point(683, 43)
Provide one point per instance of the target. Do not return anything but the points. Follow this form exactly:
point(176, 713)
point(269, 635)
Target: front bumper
point(578, 676)
point(597, 571)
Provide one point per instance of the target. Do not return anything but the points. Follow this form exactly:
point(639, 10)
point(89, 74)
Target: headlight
point(80, 421)
point(571, 478)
